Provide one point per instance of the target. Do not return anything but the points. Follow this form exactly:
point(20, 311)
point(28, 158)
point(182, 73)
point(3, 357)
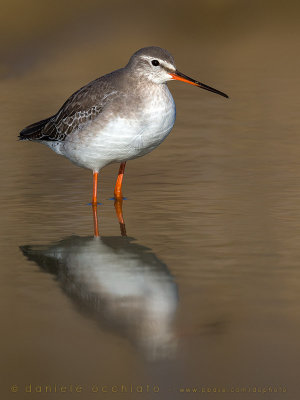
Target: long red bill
point(181, 77)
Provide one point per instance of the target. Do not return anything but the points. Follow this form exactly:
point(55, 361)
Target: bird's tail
point(33, 131)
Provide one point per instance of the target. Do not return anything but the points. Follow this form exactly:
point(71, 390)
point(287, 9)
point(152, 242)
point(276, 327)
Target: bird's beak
point(181, 77)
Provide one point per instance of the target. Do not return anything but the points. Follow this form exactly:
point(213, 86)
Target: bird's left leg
point(95, 183)
point(118, 188)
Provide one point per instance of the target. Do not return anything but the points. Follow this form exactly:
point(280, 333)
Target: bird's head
point(158, 66)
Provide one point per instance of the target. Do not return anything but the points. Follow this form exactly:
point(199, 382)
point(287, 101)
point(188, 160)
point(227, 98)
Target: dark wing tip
point(32, 131)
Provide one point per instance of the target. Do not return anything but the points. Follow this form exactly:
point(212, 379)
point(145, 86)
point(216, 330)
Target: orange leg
point(95, 218)
point(95, 182)
point(118, 187)
point(119, 211)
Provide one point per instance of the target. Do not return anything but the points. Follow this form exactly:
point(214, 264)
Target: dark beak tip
point(199, 84)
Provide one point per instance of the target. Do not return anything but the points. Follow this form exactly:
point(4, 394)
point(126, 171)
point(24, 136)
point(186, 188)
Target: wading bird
point(117, 117)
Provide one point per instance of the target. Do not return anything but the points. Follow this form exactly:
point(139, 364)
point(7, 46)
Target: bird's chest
point(157, 118)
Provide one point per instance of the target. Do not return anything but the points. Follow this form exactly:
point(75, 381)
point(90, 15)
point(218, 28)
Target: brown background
point(217, 202)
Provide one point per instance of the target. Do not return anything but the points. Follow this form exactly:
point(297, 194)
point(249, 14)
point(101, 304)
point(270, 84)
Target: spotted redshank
point(118, 117)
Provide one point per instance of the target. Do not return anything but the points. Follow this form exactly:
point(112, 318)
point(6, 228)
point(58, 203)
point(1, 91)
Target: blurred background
point(216, 205)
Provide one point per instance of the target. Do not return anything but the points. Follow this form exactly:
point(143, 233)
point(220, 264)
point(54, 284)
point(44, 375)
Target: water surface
point(204, 290)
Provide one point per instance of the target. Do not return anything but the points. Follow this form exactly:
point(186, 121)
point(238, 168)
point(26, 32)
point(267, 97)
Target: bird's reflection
point(117, 281)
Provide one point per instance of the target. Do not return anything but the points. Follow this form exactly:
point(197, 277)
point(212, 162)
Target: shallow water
point(204, 290)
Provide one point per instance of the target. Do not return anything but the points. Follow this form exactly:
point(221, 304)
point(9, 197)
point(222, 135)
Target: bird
point(118, 117)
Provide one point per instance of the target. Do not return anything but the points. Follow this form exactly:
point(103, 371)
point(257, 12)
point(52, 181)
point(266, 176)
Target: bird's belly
point(122, 138)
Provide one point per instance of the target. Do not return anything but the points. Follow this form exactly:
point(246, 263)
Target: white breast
point(158, 120)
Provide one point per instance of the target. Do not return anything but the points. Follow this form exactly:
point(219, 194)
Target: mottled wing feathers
point(80, 109)
point(63, 124)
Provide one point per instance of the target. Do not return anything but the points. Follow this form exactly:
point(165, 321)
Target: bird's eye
point(155, 63)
